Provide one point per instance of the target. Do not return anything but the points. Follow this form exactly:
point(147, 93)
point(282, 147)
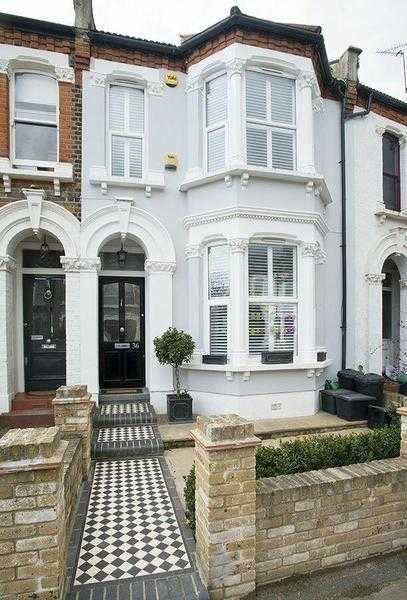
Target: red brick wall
point(136, 57)
point(4, 118)
point(10, 35)
point(65, 122)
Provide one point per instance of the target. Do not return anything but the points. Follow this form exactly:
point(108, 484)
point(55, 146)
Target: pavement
point(380, 578)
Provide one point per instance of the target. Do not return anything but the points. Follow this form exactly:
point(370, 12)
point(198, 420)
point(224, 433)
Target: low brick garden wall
point(310, 521)
point(250, 533)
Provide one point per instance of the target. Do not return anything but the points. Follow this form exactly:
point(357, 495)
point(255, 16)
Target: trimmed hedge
point(313, 453)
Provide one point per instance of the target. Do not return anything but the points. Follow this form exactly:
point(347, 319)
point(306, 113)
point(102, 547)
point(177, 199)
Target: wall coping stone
point(30, 443)
point(72, 391)
point(332, 475)
point(224, 432)
point(40, 463)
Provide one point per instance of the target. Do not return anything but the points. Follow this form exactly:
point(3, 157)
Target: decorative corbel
point(124, 208)
point(244, 180)
point(34, 200)
point(7, 184)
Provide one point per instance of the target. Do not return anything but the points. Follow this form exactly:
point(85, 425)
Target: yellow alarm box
point(171, 161)
point(171, 79)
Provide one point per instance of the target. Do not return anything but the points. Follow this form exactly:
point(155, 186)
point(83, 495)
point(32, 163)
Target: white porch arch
point(124, 220)
point(17, 220)
point(392, 244)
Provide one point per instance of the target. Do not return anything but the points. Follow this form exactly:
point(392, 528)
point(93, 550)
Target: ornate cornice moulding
point(155, 266)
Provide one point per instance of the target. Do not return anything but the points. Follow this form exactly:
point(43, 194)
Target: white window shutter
point(218, 329)
point(284, 270)
point(282, 149)
point(219, 271)
point(117, 101)
point(216, 100)
point(135, 157)
point(256, 142)
point(258, 270)
point(258, 328)
point(136, 109)
point(118, 156)
point(283, 324)
point(256, 95)
point(216, 149)
point(282, 100)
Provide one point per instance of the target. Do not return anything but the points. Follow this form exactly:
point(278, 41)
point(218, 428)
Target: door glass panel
point(58, 308)
point(111, 312)
point(132, 312)
point(41, 313)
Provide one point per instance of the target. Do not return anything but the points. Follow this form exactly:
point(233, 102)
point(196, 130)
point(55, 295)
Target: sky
point(368, 24)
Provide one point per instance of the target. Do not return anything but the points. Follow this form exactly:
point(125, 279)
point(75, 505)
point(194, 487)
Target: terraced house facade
point(218, 186)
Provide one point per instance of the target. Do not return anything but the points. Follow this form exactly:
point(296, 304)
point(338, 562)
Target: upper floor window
point(270, 121)
point(215, 122)
point(272, 297)
point(391, 171)
point(126, 131)
point(35, 128)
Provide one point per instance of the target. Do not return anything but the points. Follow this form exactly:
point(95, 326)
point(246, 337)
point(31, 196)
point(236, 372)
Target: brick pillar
point(226, 505)
point(73, 409)
point(32, 537)
point(402, 411)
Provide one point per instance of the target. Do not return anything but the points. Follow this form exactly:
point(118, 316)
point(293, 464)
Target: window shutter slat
point(256, 141)
point(218, 317)
point(282, 100)
point(216, 149)
point(136, 110)
point(117, 107)
point(283, 271)
point(258, 270)
point(283, 326)
point(219, 271)
point(216, 100)
point(282, 143)
point(135, 157)
point(118, 156)
point(256, 95)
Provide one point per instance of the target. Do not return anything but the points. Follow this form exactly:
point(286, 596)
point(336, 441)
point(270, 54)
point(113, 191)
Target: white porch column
point(7, 323)
point(158, 319)
point(89, 323)
point(73, 319)
point(235, 111)
point(374, 356)
point(306, 161)
point(193, 256)
point(238, 322)
point(312, 254)
point(194, 91)
point(403, 324)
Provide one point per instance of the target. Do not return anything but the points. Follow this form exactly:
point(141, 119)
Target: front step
point(22, 419)
point(126, 441)
point(124, 397)
point(124, 413)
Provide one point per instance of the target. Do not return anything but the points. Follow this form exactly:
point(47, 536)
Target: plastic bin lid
point(373, 378)
point(347, 373)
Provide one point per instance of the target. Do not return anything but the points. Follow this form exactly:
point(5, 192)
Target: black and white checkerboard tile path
point(128, 433)
point(134, 544)
point(126, 441)
point(124, 413)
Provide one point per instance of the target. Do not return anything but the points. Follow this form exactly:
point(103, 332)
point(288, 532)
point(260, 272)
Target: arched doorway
point(391, 316)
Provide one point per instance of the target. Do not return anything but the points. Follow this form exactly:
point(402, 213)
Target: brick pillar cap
point(224, 431)
point(28, 444)
point(66, 393)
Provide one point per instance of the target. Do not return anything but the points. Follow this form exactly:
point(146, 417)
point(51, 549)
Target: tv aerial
point(399, 50)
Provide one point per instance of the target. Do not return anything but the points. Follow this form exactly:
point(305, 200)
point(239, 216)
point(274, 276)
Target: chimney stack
point(84, 14)
point(347, 67)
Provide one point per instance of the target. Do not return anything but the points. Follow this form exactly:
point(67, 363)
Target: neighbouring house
point(146, 185)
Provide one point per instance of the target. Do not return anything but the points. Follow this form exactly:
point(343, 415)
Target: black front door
point(44, 331)
point(121, 332)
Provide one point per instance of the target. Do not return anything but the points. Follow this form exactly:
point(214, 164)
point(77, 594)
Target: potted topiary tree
point(175, 347)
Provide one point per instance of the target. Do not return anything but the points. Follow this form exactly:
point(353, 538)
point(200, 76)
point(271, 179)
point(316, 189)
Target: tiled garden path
point(130, 540)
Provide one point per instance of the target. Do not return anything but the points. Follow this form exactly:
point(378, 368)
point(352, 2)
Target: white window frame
point(215, 126)
point(21, 162)
point(270, 125)
point(120, 133)
point(218, 301)
point(270, 299)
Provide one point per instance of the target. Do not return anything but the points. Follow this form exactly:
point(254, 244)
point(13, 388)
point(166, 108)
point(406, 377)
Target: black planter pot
point(214, 359)
point(179, 408)
point(276, 358)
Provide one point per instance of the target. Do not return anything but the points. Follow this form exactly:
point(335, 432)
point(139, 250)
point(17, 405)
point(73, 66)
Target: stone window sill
point(394, 215)
point(152, 180)
point(56, 172)
point(245, 173)
point(312, 368)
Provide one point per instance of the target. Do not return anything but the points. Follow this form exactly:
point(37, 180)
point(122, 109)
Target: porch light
point(121, 257)
point(44, 249)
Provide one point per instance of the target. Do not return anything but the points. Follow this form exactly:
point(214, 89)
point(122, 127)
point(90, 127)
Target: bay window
point(218, 298)
point(270, 120)
point(126, 130)
point(35, 127)
point(215, 122)
point(272, 297)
